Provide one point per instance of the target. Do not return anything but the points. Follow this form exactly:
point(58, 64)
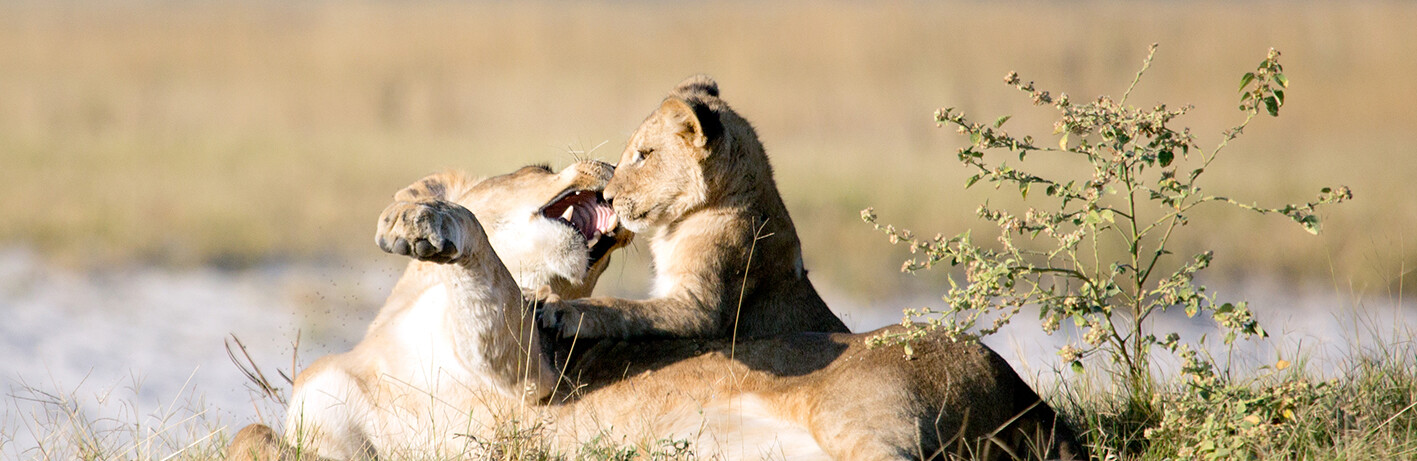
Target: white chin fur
point(638, 227)
point(539, 250)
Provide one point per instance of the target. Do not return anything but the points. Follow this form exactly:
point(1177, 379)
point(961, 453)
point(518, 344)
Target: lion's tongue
point(605, 219)
point(593, 220)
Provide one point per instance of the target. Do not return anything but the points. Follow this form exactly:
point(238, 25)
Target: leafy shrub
point(1137, 183)
point(1213, 418)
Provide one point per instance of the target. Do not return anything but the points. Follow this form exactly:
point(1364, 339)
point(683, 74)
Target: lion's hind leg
point(329, 414)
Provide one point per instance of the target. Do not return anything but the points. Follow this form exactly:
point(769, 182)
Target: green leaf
point(1165, 157)
point(1245, 80)
point(999, 122)
point(1279, 94)
point(1281, 80)
point(1311, 224)
point(972, 179)
point(1023, 190)
point(974, 137)
point(1077, 367)
point(1272, 106)
point(1063, 143)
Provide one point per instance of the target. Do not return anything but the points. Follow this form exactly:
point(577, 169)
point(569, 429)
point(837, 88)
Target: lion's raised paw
point(435, 230)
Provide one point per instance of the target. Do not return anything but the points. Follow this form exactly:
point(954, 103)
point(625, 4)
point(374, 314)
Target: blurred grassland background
point(242, 133)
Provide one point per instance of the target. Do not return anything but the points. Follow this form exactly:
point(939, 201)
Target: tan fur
point(727, 260)
point(855, 401)
point(454, 345)
point(450, 358)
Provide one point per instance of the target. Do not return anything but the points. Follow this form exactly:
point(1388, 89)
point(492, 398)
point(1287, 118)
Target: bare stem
point(1146, 64)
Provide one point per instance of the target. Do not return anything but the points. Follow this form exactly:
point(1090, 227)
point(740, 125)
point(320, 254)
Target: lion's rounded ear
point(700, 84)
point(698, 124)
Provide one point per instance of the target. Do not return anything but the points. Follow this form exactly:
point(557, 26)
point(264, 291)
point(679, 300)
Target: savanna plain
point(175, 173)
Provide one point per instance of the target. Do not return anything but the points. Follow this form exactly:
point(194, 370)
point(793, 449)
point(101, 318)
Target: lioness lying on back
point(451, 358)
point(696, 180)
point(454, 350)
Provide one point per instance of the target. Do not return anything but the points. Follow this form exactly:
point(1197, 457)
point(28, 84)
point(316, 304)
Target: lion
point(695, 179)
point(453, 356)
point(455, 333)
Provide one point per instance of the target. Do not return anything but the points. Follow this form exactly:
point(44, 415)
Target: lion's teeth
point(593, 241)
point(567, 214)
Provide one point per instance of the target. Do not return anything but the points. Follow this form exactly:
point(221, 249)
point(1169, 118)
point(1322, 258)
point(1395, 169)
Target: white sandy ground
point(144, 345)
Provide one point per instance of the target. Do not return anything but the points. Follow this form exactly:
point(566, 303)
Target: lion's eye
point(642, 153)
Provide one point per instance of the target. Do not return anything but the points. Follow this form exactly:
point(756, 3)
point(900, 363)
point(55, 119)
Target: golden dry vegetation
point(236, 132)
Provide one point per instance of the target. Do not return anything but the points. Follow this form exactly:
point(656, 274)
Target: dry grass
point(43, 423)
point(1364, 409)
point(221, 132)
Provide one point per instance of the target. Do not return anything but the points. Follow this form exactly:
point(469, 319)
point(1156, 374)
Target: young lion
point(451, 358)
point(696, 180)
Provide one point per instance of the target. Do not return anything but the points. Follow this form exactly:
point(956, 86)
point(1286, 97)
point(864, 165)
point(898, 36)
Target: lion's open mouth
point(587, 213)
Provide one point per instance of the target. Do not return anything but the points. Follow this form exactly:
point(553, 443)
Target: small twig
point(194, 443)
point(561, 374)
point(742, 290)
point(294, 359)
point(1389, 420)
point(252, 371)
point(1150, 53)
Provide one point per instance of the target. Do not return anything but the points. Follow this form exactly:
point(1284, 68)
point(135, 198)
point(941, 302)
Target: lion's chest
point(430, 350)
point(429, 385)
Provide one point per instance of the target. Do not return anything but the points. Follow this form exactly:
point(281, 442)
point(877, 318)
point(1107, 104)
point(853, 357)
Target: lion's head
point(691, 150)
point(550, 228)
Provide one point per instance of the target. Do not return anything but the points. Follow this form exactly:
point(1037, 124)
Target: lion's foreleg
point(492, 327)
